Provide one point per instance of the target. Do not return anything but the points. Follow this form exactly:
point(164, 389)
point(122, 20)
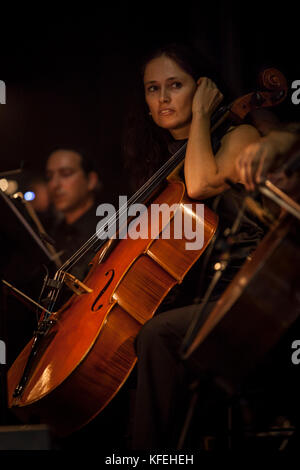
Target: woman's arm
point(258, 159)
point(205, 172)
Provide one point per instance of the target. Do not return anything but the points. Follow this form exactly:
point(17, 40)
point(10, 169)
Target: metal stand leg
point(189, 415)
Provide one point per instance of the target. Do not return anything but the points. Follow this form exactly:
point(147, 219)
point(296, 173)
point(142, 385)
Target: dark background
point(69, 71)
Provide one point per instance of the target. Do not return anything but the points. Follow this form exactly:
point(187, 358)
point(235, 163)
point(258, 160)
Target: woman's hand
point(257, 159)
point(207, 98)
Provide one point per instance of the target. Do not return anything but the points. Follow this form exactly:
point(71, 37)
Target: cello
point(81, 354)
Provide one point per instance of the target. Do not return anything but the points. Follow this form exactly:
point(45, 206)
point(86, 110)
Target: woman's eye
point(176, 85)
point(152, 88)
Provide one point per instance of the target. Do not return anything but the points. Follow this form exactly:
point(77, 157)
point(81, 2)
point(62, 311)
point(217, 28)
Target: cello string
point(123, 210)
point(216, 119)
point(156, 178)
point(164, 171)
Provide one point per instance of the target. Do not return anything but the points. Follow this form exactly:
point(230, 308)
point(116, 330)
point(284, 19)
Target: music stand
point(17, 230)
point(244, 309)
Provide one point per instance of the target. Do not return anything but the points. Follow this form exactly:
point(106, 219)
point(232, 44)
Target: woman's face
point(169, 92)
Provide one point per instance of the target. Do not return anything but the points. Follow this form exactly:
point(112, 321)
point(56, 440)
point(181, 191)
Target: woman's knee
point(150, 333)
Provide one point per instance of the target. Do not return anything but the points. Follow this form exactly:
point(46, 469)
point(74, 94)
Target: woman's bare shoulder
point(243, 130)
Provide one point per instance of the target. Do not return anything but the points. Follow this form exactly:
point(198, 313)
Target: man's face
point(68, 185)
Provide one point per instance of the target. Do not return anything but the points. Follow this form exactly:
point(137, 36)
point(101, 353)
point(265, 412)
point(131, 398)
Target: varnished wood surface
point(254, 312)
point(88, 353)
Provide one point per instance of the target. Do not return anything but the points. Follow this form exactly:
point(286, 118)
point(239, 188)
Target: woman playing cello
point(178, 104)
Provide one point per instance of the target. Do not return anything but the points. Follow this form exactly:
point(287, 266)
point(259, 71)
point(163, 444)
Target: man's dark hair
point(87, 163)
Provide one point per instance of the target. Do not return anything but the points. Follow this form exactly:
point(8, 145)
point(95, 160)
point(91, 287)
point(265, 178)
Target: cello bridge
point(76, 285)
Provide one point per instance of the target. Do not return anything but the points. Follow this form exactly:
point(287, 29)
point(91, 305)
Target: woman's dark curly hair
point(145, 145)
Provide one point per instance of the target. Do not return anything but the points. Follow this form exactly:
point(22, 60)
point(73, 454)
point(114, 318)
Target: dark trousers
point(162, 394)
point(163, 379)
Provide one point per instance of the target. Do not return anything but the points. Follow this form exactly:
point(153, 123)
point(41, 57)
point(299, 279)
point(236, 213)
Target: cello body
point(257, 309)
point(88, 353)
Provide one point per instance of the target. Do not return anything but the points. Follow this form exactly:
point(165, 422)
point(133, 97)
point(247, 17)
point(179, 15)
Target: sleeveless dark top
point(249, 234)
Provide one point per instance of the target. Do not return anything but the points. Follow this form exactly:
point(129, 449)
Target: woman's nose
point(164, 96)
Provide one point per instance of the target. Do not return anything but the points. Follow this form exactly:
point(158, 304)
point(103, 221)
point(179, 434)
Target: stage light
point(12, 187)
point(16, 195)
point(29, 196)
point(8, 186)
point(3, 184)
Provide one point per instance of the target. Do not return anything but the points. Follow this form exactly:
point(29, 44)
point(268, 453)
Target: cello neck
point(143, 194)
point(218, 117)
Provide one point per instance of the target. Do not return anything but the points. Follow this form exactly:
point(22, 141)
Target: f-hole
point(93, 308)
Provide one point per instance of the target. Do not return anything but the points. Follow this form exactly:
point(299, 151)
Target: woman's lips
point(166, 112)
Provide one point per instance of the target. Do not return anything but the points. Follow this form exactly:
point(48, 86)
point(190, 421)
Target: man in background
point(73, 185)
